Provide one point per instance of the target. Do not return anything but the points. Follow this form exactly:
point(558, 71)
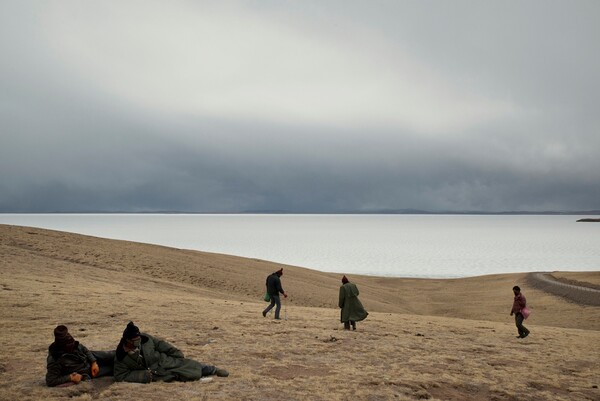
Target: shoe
point(264, 314)
point(221, 372)
point(525, 335)
point(277, 318)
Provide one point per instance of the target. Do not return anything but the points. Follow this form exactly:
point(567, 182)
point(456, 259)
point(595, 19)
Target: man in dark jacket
point(70, 362)
point(274, 289)
point(519, 302)
point(142, 358)
point(352, 309)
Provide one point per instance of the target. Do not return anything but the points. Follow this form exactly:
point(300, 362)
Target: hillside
point(423, 339)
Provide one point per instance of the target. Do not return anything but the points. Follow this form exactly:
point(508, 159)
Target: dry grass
point(423, 339)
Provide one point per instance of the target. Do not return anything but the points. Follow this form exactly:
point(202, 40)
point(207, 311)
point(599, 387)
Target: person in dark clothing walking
point(352, 309)
point(274, 289)
point(519, 303)
point(70, 362)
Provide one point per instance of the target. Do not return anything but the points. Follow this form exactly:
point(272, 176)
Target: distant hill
point(371, 211)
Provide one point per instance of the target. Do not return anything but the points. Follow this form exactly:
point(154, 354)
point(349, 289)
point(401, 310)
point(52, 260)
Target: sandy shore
point(424, 339)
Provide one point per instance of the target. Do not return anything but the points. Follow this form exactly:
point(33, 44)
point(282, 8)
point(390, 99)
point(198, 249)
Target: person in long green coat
point(142, 358)
point(352, 309)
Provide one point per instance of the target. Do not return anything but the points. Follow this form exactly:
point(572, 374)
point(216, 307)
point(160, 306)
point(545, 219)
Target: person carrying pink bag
point(519, 309)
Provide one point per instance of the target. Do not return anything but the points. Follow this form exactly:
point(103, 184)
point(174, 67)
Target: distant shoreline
point(350, 212)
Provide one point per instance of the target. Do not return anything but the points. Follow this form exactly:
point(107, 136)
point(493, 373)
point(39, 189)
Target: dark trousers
point(106, 361)
point(274, 301)
point(348, 323)
point(523, 332)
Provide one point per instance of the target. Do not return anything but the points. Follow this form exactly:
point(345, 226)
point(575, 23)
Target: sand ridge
point(423, 339)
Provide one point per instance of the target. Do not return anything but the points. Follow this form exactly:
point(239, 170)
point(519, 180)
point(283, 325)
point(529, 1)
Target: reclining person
point(141, 358)
point(70, 362)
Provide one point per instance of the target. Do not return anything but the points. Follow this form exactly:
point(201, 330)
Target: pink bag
point(525, 312)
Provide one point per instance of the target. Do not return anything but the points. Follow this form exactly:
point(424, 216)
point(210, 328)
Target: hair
point(516, 288)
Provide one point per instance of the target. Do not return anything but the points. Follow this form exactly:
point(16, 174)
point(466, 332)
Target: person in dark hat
point(142, 358)
point(70, 362)
point(274, 289)
point(352, 309)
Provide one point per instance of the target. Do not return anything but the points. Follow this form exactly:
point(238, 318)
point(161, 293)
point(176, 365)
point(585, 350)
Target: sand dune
point(424, 339)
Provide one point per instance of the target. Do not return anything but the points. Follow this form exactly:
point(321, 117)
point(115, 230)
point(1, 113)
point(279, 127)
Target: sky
point(299, 106)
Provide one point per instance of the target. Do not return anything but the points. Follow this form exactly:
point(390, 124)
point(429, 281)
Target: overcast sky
point(301, 106)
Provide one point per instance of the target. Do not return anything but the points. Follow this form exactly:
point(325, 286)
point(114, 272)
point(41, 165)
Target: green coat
point(352, 309)
point(159, 357)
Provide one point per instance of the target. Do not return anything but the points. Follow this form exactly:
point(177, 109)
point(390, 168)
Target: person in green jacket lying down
point(142, 358)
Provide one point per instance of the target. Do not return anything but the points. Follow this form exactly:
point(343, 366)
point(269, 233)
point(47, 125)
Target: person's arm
point(280, 288)
point(166, 348)
point(54, 374)
point(124, 374)
point(522, 302)
point(94, 368)
point(342, 297)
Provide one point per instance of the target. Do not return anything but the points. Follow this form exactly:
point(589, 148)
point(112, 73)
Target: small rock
point(215, 328)
point(594, 386)
point(420, 335)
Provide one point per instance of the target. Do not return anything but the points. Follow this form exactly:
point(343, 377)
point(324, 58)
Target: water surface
point(384, 245)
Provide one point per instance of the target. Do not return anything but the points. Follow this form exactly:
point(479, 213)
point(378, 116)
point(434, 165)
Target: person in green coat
point(352, 309)
point(142, 358)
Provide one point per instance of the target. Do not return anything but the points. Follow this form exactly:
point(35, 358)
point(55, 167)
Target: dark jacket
point(352, 308)
point(164, 361)
point(274, 285)
point(60, 364)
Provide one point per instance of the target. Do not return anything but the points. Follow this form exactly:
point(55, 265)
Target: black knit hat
point(131, 331)
point(61, 335)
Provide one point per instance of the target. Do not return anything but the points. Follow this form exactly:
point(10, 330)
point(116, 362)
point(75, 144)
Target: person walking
point(274, 289)
point(352, 309)
point(142, 358)
point(519, 303)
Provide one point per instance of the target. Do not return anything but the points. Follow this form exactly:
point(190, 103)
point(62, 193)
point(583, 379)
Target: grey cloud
point(68, 146)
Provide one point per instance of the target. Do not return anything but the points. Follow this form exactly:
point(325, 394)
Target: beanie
point(61, 335)
point(344, 279)
point(131, 331)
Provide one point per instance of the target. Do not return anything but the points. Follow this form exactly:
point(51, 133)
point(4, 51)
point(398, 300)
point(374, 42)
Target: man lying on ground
point(70, 362)
point(141, 358)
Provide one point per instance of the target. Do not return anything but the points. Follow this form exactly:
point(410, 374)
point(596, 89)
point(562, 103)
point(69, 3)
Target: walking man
point(274, 289)
point(351, 307)
point(518, 304)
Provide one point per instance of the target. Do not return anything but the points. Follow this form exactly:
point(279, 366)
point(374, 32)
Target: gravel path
point(576, 293)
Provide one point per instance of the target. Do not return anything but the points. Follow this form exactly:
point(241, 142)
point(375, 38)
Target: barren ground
point(423, 339)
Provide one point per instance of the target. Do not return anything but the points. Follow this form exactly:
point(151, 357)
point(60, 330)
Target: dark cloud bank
point(66, 147)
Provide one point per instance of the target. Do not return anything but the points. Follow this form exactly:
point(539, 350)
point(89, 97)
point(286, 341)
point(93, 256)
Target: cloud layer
point(303, 107)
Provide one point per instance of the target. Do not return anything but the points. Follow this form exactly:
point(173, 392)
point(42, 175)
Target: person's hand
point(95, 369)
point(284, 295)
point(511, 313)
point(75, 377)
